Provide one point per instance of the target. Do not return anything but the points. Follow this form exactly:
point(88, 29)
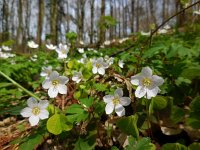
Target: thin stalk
point(148, 120)
point(19, 86)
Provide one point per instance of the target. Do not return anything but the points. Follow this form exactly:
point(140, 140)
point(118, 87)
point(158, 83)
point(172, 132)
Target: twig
point(153, 32)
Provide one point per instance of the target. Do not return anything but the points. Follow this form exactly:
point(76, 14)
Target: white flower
point(106, 43)
point(6, 48)
point(46, 71)
point(77, 76)
point(116, 102)
point(50, 46)
point(162, 31)
point(145, 33)
point(99, 66)
point(197, 12)
point(167, 27)
point(147, 83)
point(62, 51)
point(121, 63)
point(109, 60)
point(80, 50)
point(81, 42)
point(35, 111)
point(55, 84)
point(32, 44)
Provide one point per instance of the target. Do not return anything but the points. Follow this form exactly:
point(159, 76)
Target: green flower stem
point(19, 86)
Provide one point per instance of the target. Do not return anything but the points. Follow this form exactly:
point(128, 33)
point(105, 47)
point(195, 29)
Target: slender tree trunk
point(20, 23)
point(82, 19)
point(91, 21)
point(53, 20)
point(40, 21)
point(152, 11)
point(5, 24)
point(102, 28)
point(132, 15)
point(111, 14)
point(163, 10)
point(119, 10)
point(138, 16)
point(67, 3)
point(115, 14)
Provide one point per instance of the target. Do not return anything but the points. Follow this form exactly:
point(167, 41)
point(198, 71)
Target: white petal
point(125, 101)
point(26, 112)
point(33, 120)
point(152, 92)
point(158, 80)
point(146, 71)
point(109, 108)
point(62, 89)
point(46, 84)
point(44, 114)
point(43, 104)
point(118, 92)
point(54, 75)
point(140, 91)
point(94, 70)
point(32, 102)
point(135, 80)
point(108, 98)
point(52, 92)
point(119, 109)
point(63, 79)
point(101, 71)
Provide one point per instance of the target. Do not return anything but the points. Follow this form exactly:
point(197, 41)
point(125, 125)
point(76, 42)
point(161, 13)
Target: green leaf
point(142, 144)
point(191, 72)
point(87, 102)
point(173, 146)
point(31, 142)
point(5, 84)
point(76, 113)
point(58, 123)
point(101, 87)
point(86, 143)
point(177, 114)
point(159, 102)
point(129, 125)
point(194, 146)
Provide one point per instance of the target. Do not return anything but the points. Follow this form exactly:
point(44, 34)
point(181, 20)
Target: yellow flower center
point(146, 82)
point(98, 65)
point(36, 110)
point(55, 82)
point(115, 101)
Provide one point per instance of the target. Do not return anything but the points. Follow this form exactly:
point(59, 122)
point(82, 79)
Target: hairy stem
point(19, 86)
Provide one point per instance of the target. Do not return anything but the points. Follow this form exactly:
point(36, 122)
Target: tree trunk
point(163, 10)
point(5, 23)
point(132, 15)
point(53, 20)
point(20, 23)
point(119, 10)
point(40, 21)
point(91, 21)
point(138, 15)
point(152, 11)
point(102, 28)
point(111, 14)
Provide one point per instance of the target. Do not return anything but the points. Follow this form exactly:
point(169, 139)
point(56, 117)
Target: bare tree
point(53, 20)
point(5, 23)
point(91, 21)
point(20, 22)
point(132, 15)
point(40, 20)
point(101, 26)
point(152, 11)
